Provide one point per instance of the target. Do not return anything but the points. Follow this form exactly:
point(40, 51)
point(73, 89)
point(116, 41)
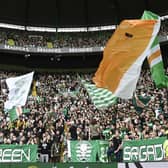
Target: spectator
point(63, 110)
point(117, 142)
point(110, 151)
point(45, 148)
point(55, 150)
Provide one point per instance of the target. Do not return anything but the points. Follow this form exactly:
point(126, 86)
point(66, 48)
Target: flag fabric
point(18, 90)
point(155, 58)
point(123, 56)
point(87, 151)
point(140, 102)
point(34, 91)
point(106, 133)
point(15, 112)
point(101, 98)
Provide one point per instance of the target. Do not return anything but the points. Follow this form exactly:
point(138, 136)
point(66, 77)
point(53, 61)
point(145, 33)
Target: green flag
point(83, 151)
point(154, 57)
point(88, 151)
point(15, 112)
point(100, 97)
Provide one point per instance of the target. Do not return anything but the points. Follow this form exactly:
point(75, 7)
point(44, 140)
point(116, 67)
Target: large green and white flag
point(82, 151)
point(154, 57)
point(88, 151)
point(14, 113)
point(100, 97)
point(18, 90)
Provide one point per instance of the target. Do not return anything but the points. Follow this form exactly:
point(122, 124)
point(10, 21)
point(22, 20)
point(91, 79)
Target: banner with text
point(144, 150)
point(18, 153)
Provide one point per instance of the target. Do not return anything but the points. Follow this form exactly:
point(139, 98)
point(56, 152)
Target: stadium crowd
point(164, 28)
point(60, 40)
point(62, 110)
point(54, 40)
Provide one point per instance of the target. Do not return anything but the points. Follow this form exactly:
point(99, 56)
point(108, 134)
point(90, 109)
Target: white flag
point(18, 90)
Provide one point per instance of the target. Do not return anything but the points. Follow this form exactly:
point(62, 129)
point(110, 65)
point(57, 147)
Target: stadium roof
point(76, 13)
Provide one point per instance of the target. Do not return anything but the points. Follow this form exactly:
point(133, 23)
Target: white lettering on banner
point(16, 48)
point(127, 153)
point(144, 153)
point(134, 152)
point(26, 156)
point(16, 155)
point(151, 152)
point(7, 155)
point(159, 147)
point(51, 50)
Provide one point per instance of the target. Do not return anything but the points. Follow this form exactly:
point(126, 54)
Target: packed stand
point(62, 110)
point(61, 40)
point(164, 28)
point(54, 40)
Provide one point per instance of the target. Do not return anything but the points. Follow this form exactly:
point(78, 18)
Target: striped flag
point(123, 56)
point(15, 112)
point(155, 58)
point(101, 98)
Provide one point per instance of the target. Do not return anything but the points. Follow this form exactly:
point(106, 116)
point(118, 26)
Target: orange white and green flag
point(123, 56)
point(16, 112)
point(155, 58)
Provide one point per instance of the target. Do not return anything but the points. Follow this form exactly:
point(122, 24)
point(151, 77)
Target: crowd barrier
point(143, 165)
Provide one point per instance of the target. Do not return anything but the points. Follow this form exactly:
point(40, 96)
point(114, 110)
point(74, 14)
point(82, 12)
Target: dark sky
point(66, 13)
